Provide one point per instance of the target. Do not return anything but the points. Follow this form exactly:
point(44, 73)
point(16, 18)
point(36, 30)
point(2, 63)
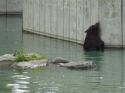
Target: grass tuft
point(20, 56)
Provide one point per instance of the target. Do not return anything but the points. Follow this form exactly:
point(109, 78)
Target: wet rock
point(79, 65)
point(7, 58)
point(31, 64)
point(58, 60)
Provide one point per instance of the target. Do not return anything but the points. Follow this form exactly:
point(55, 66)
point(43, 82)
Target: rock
point(58, 60)
point(30, 64)
point(79, 65)
point(7, 58)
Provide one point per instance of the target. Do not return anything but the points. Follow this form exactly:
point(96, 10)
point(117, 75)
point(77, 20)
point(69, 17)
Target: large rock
point(79, 65)
point(58, 60)
point(7, 60)
point(7, 57)
point(30, 64)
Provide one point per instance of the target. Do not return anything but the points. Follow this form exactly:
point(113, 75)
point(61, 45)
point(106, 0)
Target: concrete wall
point(65, 19)
point(68, 19)
point(10, 6)
point(123, 21)
point(110, 19)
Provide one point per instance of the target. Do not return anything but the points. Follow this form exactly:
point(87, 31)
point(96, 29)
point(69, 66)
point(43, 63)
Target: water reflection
point(96, 56)
point(52, 47)
point(20, 83)
point(10, 33)
point(109, 75)
point(122, 73)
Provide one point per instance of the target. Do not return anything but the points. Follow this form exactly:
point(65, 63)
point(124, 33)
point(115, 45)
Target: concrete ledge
point(53, 36)
point(12, 13)
point(114, 46)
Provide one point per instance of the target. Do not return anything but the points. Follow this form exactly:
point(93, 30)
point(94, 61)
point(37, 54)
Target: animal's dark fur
point(93, 40)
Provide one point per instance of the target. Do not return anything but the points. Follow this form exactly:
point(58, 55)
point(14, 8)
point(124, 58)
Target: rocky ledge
point(30, 64)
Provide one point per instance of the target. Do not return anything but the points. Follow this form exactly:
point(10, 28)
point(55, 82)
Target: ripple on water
point(21, 77)
point(20, 91)
point(18, 88)
point(20, 83)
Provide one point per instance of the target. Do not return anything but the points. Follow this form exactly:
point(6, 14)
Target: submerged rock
point(30, 64)
point(79, 65)
point(58, 60)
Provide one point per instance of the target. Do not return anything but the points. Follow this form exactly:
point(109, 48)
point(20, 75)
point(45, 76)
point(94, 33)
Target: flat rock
point(58, 60)
point(30, 64)
point(79, 65)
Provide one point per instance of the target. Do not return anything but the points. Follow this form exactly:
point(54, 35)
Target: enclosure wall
point(68, 19)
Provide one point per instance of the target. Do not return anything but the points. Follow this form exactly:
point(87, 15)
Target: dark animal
point(93, 40)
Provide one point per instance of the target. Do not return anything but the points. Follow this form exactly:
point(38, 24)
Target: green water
point(10, 33)
point(108, 77)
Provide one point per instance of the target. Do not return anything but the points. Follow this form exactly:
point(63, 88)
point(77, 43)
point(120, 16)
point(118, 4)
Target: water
point(108, 77)
point(10, 33)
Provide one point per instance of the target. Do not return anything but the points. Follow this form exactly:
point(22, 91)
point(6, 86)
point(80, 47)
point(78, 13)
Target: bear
point(93, 40)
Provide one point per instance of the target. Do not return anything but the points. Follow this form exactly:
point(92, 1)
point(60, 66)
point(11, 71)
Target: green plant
point(20, 56)
point(37, 57)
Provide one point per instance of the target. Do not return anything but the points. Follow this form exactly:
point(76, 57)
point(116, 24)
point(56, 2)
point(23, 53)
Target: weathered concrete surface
point(110, 19)
point(68, 19)
point(2, 5)
point(63, 19)
point(123, 21)
point(11, 6)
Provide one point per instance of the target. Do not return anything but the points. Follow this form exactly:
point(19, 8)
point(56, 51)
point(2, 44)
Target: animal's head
point(93, 30)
